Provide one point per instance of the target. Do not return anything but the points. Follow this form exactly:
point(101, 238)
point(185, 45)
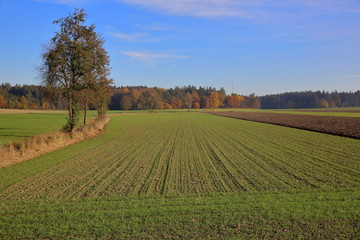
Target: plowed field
point(340, 126)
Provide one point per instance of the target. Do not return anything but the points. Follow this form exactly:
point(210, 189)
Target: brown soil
point(340, 126)
point(19, 111)
point(337, 111)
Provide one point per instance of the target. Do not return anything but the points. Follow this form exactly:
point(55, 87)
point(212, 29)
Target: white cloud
point(151, 57)
point(200, 8)
point(127, 37)
point(135, 37)
point(246, 8)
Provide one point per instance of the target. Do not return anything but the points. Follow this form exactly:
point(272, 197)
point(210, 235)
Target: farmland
point(187, 175)
point(341, 126)
point(17, 125)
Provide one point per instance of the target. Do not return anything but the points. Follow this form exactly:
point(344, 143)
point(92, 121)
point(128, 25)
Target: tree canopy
point(76, 60)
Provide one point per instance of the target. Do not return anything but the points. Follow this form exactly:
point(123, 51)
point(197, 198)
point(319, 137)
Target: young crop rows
point(187, 176)
point(189, 153)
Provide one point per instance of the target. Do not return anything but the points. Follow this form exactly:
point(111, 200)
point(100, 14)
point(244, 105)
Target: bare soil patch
point(20, 111)
point(340, 126)
point(332, 110)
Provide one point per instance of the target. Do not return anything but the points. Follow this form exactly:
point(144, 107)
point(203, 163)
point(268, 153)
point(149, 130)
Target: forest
point(186, 97)
point(129, 98)
point(309, 99)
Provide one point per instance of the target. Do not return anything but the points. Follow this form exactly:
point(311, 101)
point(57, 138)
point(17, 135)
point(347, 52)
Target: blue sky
point(257, 46)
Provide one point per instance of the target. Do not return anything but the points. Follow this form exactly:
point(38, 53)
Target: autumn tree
point(188, 100)
point(2, 102)
point(102, 94)
point(176, 103)
point(213, 101)
point(33, 106)
point(196, 105)
point(23, 103)
point(196, 100)
point(11, 104)
point(254, 101)
point(75, 60)
point(125, 102)
point(166, 106)
point(233, 101)
point(135, 98)
point(151, 99)
point(324, 103)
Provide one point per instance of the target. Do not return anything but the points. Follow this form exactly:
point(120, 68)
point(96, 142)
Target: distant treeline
point(309, 99)
point(188, 97)
point(29, 97)
point(130, 98)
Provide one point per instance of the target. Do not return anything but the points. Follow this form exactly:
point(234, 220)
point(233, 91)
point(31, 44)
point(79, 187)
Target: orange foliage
point(33, 105)
point(213, 100)
point(167, 106)
point(196, 105)
point(125, 90)
point(135, 94)
point(234, 101)
point(2, 102)
point(176, 103)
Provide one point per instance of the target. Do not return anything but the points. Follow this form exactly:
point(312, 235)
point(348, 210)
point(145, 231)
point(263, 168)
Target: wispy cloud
point(65, 2)
point(126, 36)
point(134, 37)
point(246, 8)
point(151, 57)
point(156, 26)
point(200, 8)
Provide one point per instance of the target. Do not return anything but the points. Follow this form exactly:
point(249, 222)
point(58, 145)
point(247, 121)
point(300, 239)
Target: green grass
point(308, 215)
point(16, 127)
point(187, 175)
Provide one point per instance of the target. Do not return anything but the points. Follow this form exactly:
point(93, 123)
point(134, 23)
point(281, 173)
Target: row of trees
point(190, 97)
point(309, 99)
point(126, 98)
point(29, 97)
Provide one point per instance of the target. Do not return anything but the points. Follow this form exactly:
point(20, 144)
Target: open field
point(187, 175)
point(341, 126)
point(17, 125)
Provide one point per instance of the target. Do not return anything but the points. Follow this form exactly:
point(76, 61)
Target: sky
point(245, 46)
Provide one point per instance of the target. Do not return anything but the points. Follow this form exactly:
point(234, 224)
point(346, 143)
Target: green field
point(187, 175)
point(15, 127)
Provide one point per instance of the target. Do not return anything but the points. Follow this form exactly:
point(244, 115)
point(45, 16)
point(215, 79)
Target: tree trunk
point(85, 112)
point(72, 115)
point(70, 104)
